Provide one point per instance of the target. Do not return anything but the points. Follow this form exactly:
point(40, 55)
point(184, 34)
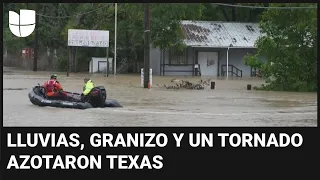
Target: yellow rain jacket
point(87, 87)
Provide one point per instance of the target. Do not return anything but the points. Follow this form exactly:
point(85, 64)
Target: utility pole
point(115, 37)
point(146, 44)
point(35, 48)
point(107, 69)
point(69, 59)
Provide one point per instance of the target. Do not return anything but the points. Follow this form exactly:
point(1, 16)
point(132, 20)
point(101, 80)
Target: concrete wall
point(236, 58)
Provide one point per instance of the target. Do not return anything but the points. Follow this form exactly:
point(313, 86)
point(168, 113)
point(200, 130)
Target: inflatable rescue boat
point(74, 100)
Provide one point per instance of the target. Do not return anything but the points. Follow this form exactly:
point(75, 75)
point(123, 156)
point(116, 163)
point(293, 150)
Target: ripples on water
point(230, 104)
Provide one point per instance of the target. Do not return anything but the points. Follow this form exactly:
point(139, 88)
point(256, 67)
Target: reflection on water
point(230, 104)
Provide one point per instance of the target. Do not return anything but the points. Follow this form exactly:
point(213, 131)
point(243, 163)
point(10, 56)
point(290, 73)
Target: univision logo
point(24, 24)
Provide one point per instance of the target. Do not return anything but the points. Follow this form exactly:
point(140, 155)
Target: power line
point(260, 7)
point(64, 17)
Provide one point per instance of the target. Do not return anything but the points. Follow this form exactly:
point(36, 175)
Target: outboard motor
point(98, 96)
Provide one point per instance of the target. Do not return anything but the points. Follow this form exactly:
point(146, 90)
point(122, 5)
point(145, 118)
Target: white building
point(99, 64)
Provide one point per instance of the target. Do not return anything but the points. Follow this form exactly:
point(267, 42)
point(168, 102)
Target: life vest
point(88, 87)
point(51, 86)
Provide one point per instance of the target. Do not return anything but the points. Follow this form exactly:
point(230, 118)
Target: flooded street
point(230, 104)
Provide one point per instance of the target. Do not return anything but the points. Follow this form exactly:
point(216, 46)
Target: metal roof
point(220, 34)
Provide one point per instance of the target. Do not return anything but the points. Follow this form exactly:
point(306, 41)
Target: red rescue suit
point(54, 89)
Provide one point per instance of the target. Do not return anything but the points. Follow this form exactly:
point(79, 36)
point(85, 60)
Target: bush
point(62, 62)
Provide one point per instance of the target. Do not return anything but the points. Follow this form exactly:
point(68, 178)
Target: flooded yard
point(229, 104)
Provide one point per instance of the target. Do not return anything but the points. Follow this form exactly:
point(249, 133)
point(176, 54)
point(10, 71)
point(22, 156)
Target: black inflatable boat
point(38, 97)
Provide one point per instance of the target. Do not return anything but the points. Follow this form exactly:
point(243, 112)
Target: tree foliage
point(288, 41)
point(165, 29)
point(289, 44)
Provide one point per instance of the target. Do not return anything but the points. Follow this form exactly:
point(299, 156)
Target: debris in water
point(183, 84)
point(14, 89)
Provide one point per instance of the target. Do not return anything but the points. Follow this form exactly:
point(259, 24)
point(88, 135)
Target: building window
point(178, 57)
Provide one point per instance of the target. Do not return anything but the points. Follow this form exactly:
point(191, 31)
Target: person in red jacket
point(54, 89)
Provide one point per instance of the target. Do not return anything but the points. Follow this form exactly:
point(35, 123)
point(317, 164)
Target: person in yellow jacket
point(88, 86)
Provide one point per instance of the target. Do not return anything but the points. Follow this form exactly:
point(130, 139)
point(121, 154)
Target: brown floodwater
point(229, 104)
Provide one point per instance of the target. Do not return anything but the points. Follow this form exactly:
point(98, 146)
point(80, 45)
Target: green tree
point(289, 44)
point(165, 23)
point(166, 33)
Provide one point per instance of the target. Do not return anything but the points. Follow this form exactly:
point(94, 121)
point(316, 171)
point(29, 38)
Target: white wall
point(97, 64)
point(236, 58)
point(211, 69)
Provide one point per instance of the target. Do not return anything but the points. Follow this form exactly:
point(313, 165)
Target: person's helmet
point(53, 76)
point(86, 79)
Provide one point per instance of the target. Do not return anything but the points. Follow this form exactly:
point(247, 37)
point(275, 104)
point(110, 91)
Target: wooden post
point(107, 70)
point(213, 85)
point(75, 59)
point(36, 39)
point(68, 61)
point(107, 54)
point(146, 44)
point(248, 86)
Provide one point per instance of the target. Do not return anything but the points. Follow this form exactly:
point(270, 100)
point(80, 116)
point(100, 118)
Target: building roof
point(220, 34)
